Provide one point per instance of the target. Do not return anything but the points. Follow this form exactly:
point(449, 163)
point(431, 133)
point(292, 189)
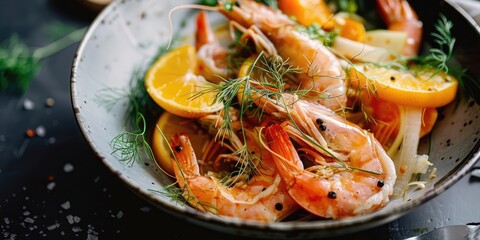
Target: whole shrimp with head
point(258, 197)
point(349, 174)
point(322, 72)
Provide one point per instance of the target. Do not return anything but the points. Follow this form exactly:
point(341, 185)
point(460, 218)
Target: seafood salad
point(294, 110)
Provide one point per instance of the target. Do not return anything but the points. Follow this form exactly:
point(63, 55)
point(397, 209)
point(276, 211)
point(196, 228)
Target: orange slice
point(422, 89)
point(174, 85)
point(351, 29)
point(307, 12)
point(170, 124)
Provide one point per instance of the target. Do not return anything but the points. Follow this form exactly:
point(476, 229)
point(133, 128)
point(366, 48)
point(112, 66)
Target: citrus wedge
point(307, 12)
point(422, 89)
point(174, 85)
point(169, 124)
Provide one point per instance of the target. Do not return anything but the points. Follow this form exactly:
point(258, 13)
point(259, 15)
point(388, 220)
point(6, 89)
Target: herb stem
point(59, 44)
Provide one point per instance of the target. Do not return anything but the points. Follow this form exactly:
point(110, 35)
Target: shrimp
point(262, 197)
point(211, 55)
point(352, 174)
point(322, 71)
point(400, 16)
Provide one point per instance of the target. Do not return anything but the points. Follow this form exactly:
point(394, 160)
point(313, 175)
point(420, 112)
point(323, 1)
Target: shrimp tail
point(283, 149)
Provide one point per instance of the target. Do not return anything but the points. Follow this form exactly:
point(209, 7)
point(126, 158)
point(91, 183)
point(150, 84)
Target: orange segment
point(351, 29)
point(173, 84)
point(423, 89)
point(307, 12)
point(170, 124)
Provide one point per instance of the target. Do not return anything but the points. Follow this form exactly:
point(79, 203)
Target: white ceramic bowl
point(125, 37)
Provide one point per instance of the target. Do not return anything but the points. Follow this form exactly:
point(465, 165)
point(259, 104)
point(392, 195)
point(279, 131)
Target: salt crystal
point(91, 230)
point(41, 131)
point(119, 214)
point(28, 104)
point(92, 237)
point(6, 220)
point(76, 229)
point(68, 167)
point(77, 219)
point(66, 205)
point(51, 140)
point(26, 213)
point(145, 209)
point(51, 185)
point(70, 219)
point(53, 226)
point(29, 220)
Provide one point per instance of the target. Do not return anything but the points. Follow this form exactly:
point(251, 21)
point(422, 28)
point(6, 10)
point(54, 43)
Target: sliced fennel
point(357, 51)
point(407, 162)
point(388, 39)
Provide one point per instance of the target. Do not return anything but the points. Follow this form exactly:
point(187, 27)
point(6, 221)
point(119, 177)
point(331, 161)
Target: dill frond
point(173, 192)
point(314, 31)
point(439, 56)
point(132, 146)
point(19, 64)
point(439, 59)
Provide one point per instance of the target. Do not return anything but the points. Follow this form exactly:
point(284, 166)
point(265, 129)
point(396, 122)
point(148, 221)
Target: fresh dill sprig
point(132, 143)
point(439, 59)
point(173, 192)
point(314, 31)
point(439, 56)
point(19, 64)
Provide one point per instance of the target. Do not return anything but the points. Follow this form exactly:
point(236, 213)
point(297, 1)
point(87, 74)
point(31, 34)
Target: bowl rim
point(190, 214)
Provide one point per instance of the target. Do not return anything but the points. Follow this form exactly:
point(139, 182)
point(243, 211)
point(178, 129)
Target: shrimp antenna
point(186, 6)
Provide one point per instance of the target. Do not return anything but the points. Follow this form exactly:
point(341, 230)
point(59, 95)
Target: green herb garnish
point(19, 64)
point(314, 31)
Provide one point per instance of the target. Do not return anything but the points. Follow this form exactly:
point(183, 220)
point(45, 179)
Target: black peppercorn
point(380, 183)
point(332, 195)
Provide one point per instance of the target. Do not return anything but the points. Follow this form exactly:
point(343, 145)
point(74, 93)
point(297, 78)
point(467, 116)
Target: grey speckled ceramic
point(126, 36)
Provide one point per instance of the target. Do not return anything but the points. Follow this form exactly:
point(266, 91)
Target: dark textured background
point(54, 187)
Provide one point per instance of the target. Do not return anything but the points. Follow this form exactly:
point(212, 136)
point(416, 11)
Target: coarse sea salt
point(29, 220)
point(28, 104)
point(68, 167)
point(66, 205)
point(53, 226)
point(51, 185)
point(70, 219)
